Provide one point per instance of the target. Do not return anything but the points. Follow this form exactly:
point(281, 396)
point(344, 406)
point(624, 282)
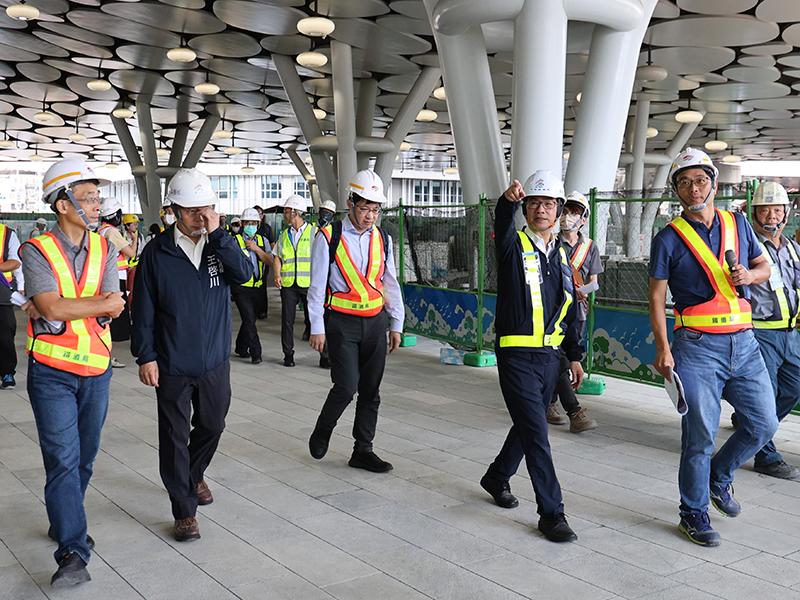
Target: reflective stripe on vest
point(134, 260)
point(785, 321)
point(5, 240)
point(296, 264)
point(122, 262)
point(540, 338)
point(260, 266)
point(84, 347)
point(580, 254)
point(725, 312)
point(365, 295)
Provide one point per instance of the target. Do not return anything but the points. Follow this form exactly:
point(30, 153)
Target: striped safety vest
point(134, 260)
point(581, 253)
point(785, 320)
point(84, 346)
point(122, 262)
point(725, 312)
point(5, 240)
point(365, 295)
point(296, 263)
point(257, 279)
point(543, 335)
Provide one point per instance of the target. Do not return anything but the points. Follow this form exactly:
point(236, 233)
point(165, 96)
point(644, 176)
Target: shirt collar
point(66, 243)
point(700, 224)
point(782, 240)
point(347, 225)
point(180, 235)
point(539, 242)
point(300, 229)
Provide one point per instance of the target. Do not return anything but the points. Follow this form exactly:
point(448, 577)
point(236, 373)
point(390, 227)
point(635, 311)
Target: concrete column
point(367, 93)
point(152, 207)
point(200, 142)
point(178, 145)
point(639, 142)
point(133, 157)
point(540, 54)
point(344, 115)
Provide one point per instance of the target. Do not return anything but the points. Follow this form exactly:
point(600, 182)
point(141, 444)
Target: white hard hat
point(238, 220)
point(41, 221)
point(190, 188)
point(579, 199)
point(110, 206)
point(368, 185)
point(770, 193)
point(692, 158)
point(328, 205)
point(297, 203)
point(544, 183)
point(65, 174)
point(250, 214)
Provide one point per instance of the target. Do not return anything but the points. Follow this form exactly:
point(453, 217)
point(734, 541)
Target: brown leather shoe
point(204, 496)
point(580, 422)
point(186, 530)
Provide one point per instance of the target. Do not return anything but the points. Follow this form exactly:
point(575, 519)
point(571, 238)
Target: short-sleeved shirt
point(591, 266)
point(765, 302)
point(18, 282)
point(673, 261)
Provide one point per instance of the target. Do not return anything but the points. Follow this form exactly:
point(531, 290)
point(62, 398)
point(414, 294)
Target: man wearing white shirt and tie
point(353, 298)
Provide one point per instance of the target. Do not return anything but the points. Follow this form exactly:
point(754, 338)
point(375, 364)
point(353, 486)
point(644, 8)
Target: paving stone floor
point(284, 526)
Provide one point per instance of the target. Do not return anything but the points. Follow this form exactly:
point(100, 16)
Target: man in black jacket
point(182, 338)
point(536, 313)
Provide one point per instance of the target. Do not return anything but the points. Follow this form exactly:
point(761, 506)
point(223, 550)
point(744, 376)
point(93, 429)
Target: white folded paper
point(675, 391)
point(589, 288)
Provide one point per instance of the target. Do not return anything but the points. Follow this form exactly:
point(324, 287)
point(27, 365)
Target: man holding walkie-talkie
point(701, 256)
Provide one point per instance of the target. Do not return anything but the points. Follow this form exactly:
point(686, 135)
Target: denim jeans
point(713, 366)
point(69, 412)
point(781, 353)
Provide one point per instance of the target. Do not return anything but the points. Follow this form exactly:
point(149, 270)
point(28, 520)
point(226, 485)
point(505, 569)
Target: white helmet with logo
point(770, 193)
point(65, 174)
point(692, 158)
point(579, 199)
point(328, 205)
point(297, 203)
point(368, 186)
point(249, 214)
point(190, 188)
point(110, 207)
point(544, 183)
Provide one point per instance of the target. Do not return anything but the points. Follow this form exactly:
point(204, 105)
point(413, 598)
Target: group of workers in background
point(735, 292)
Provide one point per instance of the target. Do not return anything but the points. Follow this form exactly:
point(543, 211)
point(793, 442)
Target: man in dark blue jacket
point(182, 339)
point(536, 313)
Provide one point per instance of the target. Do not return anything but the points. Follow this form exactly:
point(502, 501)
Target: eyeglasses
point(191, 211)
point(364, 210)
point(699, 182)
point(548, 204)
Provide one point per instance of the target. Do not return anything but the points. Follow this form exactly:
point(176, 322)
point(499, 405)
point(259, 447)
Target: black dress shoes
point(318, 443)
point(556, 529)
point(288, 361)
point(256, 360)
point(370, 462)
point(500, 491)
point(324, 363)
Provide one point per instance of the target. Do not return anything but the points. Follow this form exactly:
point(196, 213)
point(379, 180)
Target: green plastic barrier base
point(475, 359)
point(408, 340)
point(592, 385)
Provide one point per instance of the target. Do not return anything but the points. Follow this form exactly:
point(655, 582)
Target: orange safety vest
point(365, 295)
point(5, 239)
point(122, 262)
point(725, 312)
point(84, 346)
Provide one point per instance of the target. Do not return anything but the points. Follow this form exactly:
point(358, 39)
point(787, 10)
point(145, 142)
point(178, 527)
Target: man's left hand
point(576, 374)
point(251, 245)
point(395, 337)
point(210, 218)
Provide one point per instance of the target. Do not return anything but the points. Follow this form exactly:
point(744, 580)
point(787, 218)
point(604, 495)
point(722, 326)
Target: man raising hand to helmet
point(714, 351)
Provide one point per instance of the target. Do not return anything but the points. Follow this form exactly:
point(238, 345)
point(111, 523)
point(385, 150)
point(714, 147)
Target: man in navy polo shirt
point(714, 351)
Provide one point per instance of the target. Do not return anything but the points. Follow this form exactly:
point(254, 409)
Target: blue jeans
point(712, 366)
point(69, 412)
point(781, 353)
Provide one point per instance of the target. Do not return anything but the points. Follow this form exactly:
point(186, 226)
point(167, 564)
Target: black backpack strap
point(336, 235)
point(385, 237)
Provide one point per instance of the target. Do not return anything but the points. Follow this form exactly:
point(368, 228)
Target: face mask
point(235, 228)
point(569, 222)
point(169, 219)
point(325, 217)
point(250, 230)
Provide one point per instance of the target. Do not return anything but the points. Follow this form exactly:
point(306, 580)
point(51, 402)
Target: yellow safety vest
point(296, 264)
point(5, 239)
point(540, 338)
point(134, 260)
point(122, 262)
point(84, 346)
point(258, 278)
point(786, 321)
point(580, 254)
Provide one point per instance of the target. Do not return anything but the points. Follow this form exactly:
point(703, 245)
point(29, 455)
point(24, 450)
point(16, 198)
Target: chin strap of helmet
point(81, 212)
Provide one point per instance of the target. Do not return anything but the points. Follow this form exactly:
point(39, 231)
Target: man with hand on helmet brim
point(182, 337)
point(536, 317)
point(714, 351)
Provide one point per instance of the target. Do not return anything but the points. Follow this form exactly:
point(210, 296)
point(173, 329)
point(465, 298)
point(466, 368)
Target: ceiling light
point(182, 54)
point(405, 146)
point(6, 144)
point(98, 85)
point(652, 73)
point(222, 134)
point(312, 59)
point(161, 152)
point(320, 114)
point(76, 136)
point(308, 159)
point(36, 157)
point(566, 155)
point(22, 11)
point(43, 115)
point(231, 150)
point(112, 165)
point(688, 116)
point(450, 171)
point(651, 132)
point(315, 26)
point(578, 97)
point(426, 115)
point(716, 145)
point(207, 88)
point(248, 169)
point(731, 158)
point(122, 113)
point(439, 94)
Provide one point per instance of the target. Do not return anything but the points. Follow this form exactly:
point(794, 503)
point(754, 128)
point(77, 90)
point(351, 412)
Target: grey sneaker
point(779, 469)
point(554, 417)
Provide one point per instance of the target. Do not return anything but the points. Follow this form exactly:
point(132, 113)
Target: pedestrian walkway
point(284, 526)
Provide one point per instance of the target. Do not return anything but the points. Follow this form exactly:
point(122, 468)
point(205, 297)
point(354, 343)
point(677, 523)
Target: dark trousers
point(8, 329)
point(249, 301)
point(290, 298)
point(527, 380)
point(564, 391)
point(357, 347)
point(191, 419)
point(121, 326)
point(263, 308)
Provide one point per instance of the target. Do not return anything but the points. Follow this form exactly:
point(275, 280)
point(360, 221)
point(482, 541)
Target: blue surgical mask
point(250, 230)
